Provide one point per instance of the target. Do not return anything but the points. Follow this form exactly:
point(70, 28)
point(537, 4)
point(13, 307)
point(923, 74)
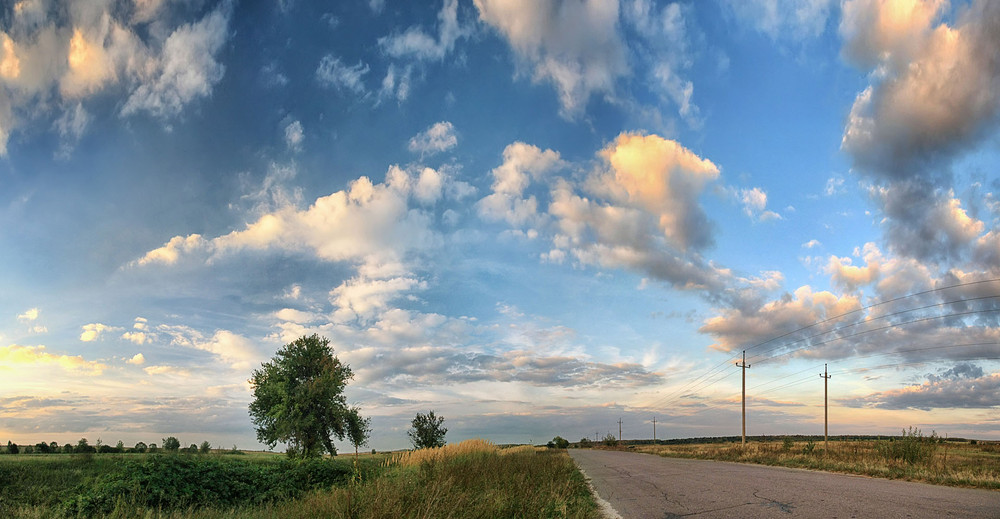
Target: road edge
point(603, 507)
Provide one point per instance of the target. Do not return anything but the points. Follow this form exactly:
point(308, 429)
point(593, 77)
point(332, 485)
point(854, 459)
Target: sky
point(535, 218)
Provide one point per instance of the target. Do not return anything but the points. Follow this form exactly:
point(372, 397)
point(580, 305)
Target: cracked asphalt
point(647, 486)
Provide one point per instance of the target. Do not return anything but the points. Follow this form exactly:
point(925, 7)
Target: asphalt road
point(647, 486)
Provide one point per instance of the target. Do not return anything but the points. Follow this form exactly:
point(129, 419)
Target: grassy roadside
point(469, 479)
point(912, 458)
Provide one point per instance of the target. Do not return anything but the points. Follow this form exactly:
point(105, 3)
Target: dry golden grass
point(436, 454)
point(522, 449)
point(453, 450)
point(948, 463)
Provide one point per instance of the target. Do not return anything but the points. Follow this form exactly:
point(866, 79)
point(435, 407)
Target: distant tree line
point(83, 446)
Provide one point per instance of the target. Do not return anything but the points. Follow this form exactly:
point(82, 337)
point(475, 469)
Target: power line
point(706, 379)
point(874, 305)
point(859, 323)
point(717, 373)
point(880, 328)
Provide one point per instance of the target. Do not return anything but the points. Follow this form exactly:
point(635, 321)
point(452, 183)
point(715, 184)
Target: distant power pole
point(744, 366)
point(654, 429)
point(826, 410)
point(619, 429)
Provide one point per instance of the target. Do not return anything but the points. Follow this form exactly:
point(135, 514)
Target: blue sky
point(534, 218)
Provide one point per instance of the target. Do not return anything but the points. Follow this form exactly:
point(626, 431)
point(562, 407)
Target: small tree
point(120, 447)
point(427, 431)
point(584, 442)
point(140, 447)
point(171, 444)
point(559, 442)
point(358, 429)
point(53, 447)
point(205, 447)
point(610, 440)
point(298, 398)
point(42, 448)
point(193, 449)
point(153, 448)
point(68, 448)
point(12, 448)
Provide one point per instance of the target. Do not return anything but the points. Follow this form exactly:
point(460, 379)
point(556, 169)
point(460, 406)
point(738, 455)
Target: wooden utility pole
point(744, 366)
point(619, 429)
point(826, 410)
point(654, 429)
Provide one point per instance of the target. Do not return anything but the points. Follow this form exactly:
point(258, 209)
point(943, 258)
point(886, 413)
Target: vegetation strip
point(471, 479)
point(911, 456)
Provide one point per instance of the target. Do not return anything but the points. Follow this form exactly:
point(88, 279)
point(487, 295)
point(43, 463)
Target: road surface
point(644, 485)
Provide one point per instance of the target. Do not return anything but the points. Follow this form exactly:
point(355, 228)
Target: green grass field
point(470, 479)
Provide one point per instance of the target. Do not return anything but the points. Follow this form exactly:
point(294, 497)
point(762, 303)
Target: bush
point(787, 444)
point(178, 482)
point(610, 440)
point(912, 447)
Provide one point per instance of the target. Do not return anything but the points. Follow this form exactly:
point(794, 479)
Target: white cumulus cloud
point(439, 137)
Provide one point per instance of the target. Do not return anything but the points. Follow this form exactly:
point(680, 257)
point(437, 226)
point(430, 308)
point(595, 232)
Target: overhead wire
point(878, 329)
point(868, 307)
point(868, 321)
point(716, 374)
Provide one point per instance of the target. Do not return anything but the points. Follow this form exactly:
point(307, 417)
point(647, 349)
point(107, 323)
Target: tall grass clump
point(435, 454)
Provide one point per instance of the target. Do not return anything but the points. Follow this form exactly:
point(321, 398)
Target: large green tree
point(427, 430)
point(298, 398)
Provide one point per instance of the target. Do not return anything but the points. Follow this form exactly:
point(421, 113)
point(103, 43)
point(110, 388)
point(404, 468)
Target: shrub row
point(177, 482)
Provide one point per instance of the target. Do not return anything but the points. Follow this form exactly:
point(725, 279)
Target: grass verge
point(909, 457)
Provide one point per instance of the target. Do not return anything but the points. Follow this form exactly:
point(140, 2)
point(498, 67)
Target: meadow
point(470, 479)
point(911, 456)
